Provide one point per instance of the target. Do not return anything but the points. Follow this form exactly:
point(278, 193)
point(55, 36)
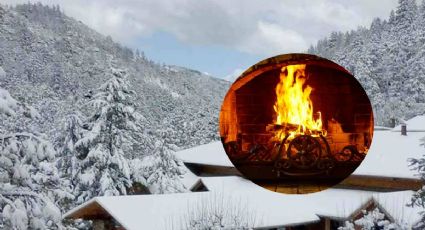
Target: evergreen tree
point(29, 181)
point(163, 170)
point(68, 161)
point(73, 131)
point(418, 198)
point(103, 169)
point(388, 59)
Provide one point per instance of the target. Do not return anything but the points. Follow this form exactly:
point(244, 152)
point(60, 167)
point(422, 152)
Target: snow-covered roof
point(389, 153)
point(208, 154)
point(325, 201)
point(338, 203)
point(416, 124)
point(270, 209)
point(229, 184)
point(334, 203)
point(189, 179)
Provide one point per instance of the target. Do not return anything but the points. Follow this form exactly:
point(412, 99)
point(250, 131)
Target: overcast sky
point(220, 37)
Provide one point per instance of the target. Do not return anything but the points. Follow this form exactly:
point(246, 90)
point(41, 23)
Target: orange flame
point(293, 105)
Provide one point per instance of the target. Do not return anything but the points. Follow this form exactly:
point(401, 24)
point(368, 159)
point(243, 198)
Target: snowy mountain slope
point(388, 58)
point(53, 61)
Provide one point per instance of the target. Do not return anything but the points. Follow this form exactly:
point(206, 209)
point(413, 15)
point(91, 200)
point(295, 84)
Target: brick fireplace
point(248, 110)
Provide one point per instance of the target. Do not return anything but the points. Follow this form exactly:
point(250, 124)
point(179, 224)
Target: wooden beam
point(212, 170)
point(378, 183)
point(362, 182)
point(92, 211)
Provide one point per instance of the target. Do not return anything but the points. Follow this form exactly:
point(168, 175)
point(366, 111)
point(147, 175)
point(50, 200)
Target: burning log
point(292, 128)
point(283, 127)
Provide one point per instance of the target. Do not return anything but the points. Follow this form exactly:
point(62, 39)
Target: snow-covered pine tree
point(73, 131)
point(418, 198)
point(373, 220)
point(29, 182)
point(68, 163)
point(162, 171)
point(103, 169)
point(388, 59)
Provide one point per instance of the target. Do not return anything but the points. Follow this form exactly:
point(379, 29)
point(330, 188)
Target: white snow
point(230, 184)
point(8, 105)
point(395, 204)
point(334, 203)
point(161, 211)
point(416, 124)
point(269, 208)
point(2, 72)
point(337, 203)
point(208, 154)
point(189, 180)
point(88, 177)
point(389, 153)
point(33, 112)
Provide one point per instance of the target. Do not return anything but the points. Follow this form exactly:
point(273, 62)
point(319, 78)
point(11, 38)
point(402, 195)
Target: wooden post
point(392, 122)
point(404, 129)
point(327, 224)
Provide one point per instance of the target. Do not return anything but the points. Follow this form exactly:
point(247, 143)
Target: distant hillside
point(51, 61)
point(388, 58)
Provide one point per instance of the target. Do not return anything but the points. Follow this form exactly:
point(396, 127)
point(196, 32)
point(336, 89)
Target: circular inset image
point(296, 123)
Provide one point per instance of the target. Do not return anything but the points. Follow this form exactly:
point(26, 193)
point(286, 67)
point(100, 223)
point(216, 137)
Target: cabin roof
point(208, 154)
point(230, 184)
point(332, 203)
point(416, 124)
point(389, 154)
point(269, 208)
point(162, 211)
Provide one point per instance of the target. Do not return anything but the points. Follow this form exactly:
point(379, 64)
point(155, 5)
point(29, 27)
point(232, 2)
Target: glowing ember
point(293, 106)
